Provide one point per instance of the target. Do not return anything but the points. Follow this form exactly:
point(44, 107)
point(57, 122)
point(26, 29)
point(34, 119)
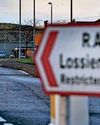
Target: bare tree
point(28, 21)
point(27, 30)
point(27, 35)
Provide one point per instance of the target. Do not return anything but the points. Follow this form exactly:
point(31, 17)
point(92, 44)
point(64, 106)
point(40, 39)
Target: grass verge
point(25, 61)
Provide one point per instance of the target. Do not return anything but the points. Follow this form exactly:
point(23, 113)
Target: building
point(9, 38)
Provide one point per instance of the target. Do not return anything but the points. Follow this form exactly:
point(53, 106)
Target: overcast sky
point(82, 10)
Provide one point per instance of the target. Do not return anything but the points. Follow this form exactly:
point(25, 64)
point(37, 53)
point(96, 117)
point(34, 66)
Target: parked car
point(2, 54)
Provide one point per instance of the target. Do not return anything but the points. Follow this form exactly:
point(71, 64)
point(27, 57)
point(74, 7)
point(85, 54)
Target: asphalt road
point(94, 110)
point(22, 100)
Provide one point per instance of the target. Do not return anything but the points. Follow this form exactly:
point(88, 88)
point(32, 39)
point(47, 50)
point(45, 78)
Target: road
point(22, 100)
point(94, 111)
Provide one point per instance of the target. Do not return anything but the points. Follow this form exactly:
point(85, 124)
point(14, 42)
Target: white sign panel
point(69, 59)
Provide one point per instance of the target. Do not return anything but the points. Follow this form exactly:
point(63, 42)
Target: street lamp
point(71, 11)
point(50, 3)
point(34, 20)
point(19, 29)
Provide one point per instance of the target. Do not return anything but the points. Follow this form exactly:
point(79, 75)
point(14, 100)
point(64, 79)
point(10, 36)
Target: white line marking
point(2, 119)
point(8, 124)
point(23, 72)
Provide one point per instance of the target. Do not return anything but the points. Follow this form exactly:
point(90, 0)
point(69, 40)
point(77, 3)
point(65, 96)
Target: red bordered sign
point(68, 59)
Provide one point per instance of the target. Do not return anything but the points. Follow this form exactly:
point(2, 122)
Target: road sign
point(68, 59)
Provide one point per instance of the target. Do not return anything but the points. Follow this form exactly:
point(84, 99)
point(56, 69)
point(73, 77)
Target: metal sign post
point(78, 110)
point(71, 110)
point(61, 114)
